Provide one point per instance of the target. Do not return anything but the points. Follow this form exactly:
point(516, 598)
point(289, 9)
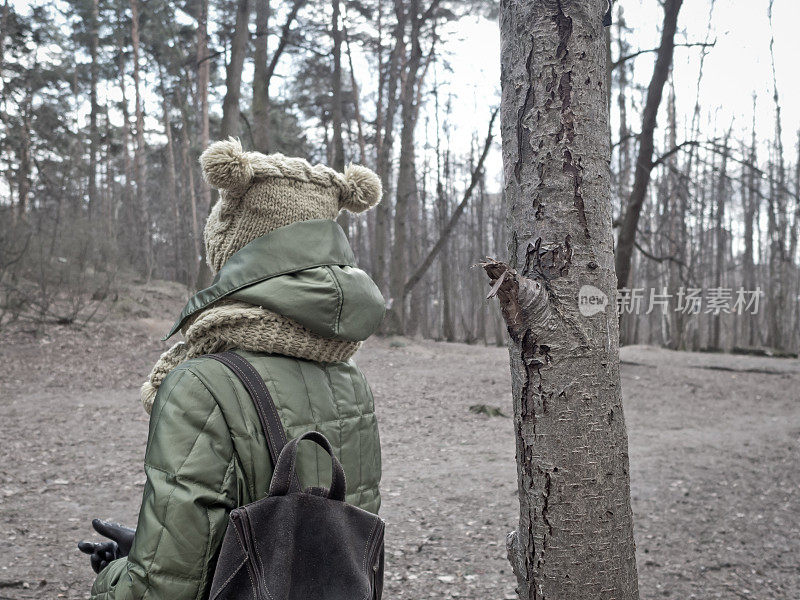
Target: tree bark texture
point(575, 535)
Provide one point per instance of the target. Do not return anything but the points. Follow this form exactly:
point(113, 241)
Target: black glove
point(102, 553)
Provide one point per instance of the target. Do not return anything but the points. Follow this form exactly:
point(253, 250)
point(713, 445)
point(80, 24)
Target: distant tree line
point(105, 106)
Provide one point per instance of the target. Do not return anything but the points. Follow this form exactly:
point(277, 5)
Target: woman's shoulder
point(284, 376)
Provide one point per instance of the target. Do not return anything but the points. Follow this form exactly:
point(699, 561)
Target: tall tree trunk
point(337, 141)
point(750, 199)
point(3, 33)
point(263, 71)
point(575, 535)
point(139, 154)
point(675, 229)
point(480, 252)
point(260, 106)
point(197, 243)
point(385, 148)
point(779, 262)
point(362, 144)
point(406, 178)
point(233, 74)
point(644, 163)
point(129, 228)
point(721, 241)
point(94, 135)
point(172, 186)
point(25, 159)
point(445, 268)
point(203, 274)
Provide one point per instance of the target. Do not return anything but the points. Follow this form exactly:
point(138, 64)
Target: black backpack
point(296, 544)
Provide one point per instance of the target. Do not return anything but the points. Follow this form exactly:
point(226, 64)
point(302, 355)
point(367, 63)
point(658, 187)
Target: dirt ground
point(715, 462)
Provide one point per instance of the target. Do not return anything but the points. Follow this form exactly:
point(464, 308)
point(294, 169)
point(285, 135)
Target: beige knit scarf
point(231, 324)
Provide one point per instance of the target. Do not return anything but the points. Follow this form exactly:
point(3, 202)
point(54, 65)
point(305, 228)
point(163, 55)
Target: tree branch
point(420, 271)
point(659, 259)
point(628, 57)
point(284, 37)
point(673, 151)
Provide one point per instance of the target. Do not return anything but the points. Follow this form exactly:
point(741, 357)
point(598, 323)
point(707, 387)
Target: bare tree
point(644, 163)
point(575, 535)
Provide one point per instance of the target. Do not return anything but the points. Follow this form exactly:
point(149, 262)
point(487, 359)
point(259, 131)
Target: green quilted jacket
point(206, 453)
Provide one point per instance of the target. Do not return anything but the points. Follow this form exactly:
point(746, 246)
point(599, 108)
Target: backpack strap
point(262, 399)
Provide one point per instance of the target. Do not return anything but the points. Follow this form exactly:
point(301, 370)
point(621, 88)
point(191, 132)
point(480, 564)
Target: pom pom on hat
point(226, 166)
point(362, 189)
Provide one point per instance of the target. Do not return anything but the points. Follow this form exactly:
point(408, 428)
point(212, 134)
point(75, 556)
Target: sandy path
point(714, 458)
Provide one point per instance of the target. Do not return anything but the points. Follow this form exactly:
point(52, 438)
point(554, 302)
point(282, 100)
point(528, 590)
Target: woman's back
point(207, 454)
point(289, 298)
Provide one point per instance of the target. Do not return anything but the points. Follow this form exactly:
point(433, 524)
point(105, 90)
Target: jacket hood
point(304, 271)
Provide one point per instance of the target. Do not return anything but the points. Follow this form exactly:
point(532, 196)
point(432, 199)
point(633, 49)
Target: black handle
point(285, 469)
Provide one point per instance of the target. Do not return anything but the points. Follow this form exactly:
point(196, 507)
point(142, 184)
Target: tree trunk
point(362, 143)
point(575, 536)
point(337, 158)
point(233, 74)
point(203, 275)
point(260, 106)
point(94, 136)
point(644, 163)
point(3, 33)
point(172, 186)
point(750, 199)
point(25, 159)
point(721, 241)
point(263, 72)
point(337, 141)
point(385, 148)
point(139, 159)
point(129, 227)
point(445, 269)
point(406, 179)
point(197, 243)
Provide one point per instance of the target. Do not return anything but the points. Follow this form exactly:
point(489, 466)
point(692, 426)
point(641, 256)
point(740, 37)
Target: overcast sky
point(737, 67)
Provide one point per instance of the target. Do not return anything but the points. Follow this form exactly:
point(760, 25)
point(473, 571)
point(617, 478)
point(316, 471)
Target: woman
point(288, 297)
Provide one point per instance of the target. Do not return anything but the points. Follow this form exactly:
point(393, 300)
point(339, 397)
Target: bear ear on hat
point(362, 189)
point(226, 166)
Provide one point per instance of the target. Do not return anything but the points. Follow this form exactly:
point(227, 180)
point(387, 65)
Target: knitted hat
point(262, 192)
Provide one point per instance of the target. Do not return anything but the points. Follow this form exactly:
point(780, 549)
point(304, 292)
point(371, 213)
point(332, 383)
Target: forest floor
point(715, 460)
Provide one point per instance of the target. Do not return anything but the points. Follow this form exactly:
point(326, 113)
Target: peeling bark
point(575, 534)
